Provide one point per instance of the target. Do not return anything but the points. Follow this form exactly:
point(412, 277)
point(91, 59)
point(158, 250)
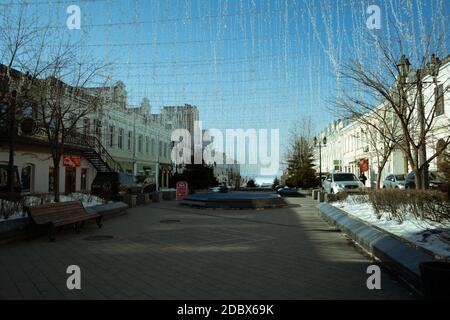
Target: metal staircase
point(94, 151)
point(90, 147)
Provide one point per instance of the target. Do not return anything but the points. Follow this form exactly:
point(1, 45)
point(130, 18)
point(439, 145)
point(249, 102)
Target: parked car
point(436, 181)
point(339, 182)
point(280, 187)
point(220, 189)
point(394, 181)
point(115, 185)
point(289, 192)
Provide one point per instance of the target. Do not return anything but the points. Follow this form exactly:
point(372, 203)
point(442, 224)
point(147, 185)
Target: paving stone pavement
point(165, 251)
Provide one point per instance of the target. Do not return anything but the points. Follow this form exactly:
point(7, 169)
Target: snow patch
point(434, 237)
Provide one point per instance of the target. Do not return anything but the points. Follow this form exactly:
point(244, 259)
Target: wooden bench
point(60, 214)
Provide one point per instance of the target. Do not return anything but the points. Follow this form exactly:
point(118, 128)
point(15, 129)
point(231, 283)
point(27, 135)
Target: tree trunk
point(422, 134)
point(380, 169)
point(12, 134)
point(418, 178)
point(56, 175)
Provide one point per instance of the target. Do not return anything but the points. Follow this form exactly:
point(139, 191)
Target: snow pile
point(429, 235)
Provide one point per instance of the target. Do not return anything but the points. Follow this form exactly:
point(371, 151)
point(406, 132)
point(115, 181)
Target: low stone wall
point(400, 256)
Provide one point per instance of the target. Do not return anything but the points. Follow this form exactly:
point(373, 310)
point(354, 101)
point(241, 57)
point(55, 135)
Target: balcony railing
point(77, 139)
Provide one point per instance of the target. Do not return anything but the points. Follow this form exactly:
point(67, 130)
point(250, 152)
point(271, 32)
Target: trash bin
point(435, 279)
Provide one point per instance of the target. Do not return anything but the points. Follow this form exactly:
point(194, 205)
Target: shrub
point(337, 197)
point(426, 205)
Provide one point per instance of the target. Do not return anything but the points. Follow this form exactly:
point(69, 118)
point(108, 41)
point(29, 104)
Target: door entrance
point(71, 180)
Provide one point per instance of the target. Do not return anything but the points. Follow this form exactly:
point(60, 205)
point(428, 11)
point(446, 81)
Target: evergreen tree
point(275, 183)
point(301, 173)
point(251, 183)
point(198, 176)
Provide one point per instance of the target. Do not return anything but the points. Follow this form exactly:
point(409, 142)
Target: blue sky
point(245, 64)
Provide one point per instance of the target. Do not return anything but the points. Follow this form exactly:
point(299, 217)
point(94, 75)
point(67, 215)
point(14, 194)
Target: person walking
point(363, 178)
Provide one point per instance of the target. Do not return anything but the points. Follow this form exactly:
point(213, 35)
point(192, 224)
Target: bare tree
point(58, 79)
point(17, 32)
point(379, 126)
point(63, 105)
point(394, 83)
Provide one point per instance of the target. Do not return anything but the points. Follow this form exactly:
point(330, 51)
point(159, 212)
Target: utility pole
point(318, 143)
point(433, 67)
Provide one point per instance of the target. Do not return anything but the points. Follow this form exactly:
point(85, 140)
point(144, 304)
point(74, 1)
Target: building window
point(140, 141)
point(153, 147)
point(165, 150)
point(441, 158)
point(86, 126)
point(83, 181)
point(439, 96)
point(147, 145)
point(111, 136)
point(98, 127)
point(120, 139)
point(51, 181)
point(26, 178)
point(160, 149)
point(130, 136)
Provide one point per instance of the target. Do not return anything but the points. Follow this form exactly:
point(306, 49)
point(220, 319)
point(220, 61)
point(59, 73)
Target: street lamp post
point(318, 143)
point(403, 69)
point(433, 67)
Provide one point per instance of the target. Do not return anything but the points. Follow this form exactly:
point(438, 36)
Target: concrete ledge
point(109, 210)
point(400, 256)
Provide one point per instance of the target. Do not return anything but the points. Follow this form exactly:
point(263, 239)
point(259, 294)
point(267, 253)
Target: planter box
point(156, 196)
point(131, 200)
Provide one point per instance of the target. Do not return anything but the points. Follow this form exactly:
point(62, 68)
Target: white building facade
point(349, 149)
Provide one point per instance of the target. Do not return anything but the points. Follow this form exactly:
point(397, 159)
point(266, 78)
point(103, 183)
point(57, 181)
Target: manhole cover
point(170, 221)
point(98, 238)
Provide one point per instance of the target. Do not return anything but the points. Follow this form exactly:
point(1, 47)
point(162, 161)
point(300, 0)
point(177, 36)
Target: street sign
point(364, 165)
point(182, 190)
point(71, 161)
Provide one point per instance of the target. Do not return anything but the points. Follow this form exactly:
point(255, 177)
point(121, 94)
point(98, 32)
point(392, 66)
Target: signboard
point(363, 165)
point(71, 161)
point(182, 190)
point(337, 162)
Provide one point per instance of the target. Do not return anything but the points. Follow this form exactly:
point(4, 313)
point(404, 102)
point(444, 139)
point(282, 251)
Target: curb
point(395, 254)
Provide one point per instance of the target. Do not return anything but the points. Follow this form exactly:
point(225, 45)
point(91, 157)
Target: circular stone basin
point(234, 200)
